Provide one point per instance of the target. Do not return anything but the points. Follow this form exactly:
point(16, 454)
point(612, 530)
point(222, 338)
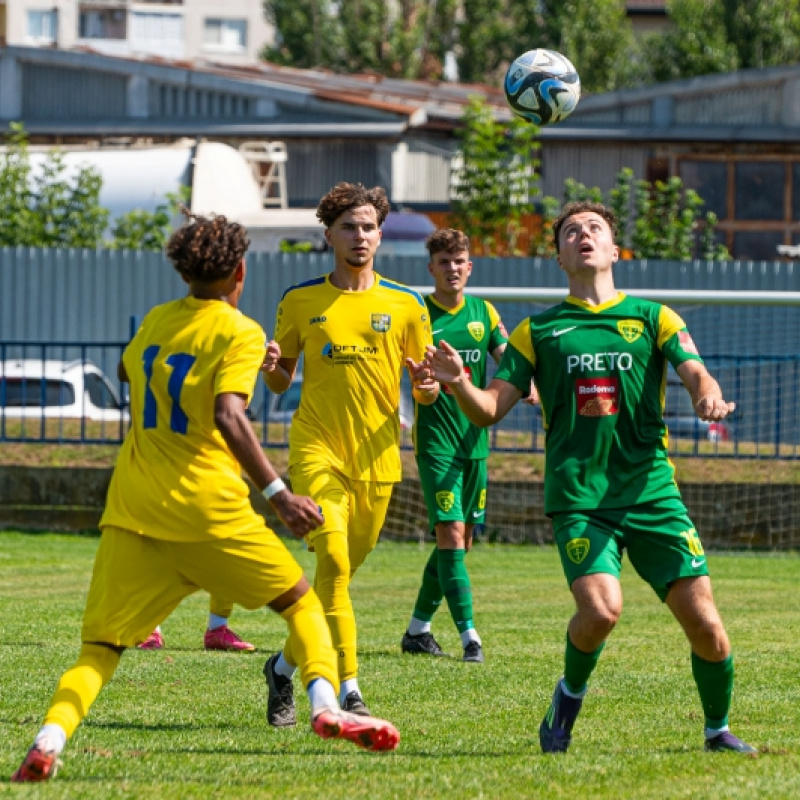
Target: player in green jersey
point(451, 452)
point(599, 360)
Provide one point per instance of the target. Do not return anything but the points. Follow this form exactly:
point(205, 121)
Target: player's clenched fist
point(271, 356)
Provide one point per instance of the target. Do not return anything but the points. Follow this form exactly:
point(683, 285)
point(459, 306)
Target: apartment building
point(233, 32)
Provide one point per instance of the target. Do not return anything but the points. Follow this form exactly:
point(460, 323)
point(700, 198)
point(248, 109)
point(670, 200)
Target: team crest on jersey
point(577, 550)
point(476, 330)
point(381, 322)
point(445, 500)
point(631, 329)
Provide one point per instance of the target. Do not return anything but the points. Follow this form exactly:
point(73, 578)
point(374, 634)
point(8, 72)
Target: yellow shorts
point(356, 509)
point(138, 581)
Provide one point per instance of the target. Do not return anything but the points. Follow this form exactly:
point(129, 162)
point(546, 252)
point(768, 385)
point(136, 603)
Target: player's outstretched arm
point(707, 399)
point(300, 514)
point(483, 407)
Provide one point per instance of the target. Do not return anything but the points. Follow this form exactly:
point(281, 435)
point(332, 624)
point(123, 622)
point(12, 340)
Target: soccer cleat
point(354, 704)
point(155, 641)
point(421, 643)
point(367, 732)
point(555, 732)
point(473, 652)
point(39, 765)
point(280, 696)
point(223, 638)
point(726, 741)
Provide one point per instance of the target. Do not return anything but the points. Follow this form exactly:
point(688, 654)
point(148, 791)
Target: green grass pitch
point(182, 723)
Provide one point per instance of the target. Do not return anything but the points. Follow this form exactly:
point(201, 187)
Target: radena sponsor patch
point(597, 397)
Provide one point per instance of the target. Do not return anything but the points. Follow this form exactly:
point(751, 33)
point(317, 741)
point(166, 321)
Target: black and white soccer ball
point(542, 87)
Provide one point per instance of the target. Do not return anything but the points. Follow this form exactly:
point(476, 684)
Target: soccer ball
point(542, 86)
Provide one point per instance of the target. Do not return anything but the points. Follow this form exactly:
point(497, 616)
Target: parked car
point(33, 388)
point(281, 407)
point(683, 422)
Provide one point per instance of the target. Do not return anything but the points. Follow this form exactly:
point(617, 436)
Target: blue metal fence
point(69, 393)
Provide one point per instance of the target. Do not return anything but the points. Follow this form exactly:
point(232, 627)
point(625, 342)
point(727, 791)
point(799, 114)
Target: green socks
point(714, 681)
point(445, 575)
point(578, 666)
point(430, 593)
point(456, 587)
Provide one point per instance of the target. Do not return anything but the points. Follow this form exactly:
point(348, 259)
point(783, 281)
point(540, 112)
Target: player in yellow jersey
point(355, 330)
point(178, 516)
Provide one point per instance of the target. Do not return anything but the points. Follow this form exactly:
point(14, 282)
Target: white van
point(33, 388)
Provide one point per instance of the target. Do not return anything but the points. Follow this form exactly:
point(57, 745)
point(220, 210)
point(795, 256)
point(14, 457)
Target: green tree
point(711, 36)
point(148, 230)
point(49, 207)
point(497, 182)
point(308, 33)
point(597, 37)
point(406, 39)
point(660, 220)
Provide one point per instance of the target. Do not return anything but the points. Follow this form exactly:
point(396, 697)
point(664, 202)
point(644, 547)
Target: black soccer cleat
point(354, 703)
point(421, 643)
point(473, 653)
point(726, 741)
point(280, 696)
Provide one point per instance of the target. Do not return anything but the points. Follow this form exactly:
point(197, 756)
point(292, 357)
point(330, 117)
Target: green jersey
point(475, 330)
point(601, 376)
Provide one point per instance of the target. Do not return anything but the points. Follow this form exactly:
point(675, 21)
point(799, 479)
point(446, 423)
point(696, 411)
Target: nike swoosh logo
point(564, 330)
point(441, 330)
point(477, 513)
point(698, 562)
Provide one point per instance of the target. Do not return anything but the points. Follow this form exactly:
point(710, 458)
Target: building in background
point(229, 32)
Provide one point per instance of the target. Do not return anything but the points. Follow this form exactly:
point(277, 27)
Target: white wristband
point(276, 486)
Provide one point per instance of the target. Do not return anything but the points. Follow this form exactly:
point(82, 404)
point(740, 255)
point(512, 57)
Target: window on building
point(102, 23)
point(41, 25)
point(225, 35)
point(709, 180)
point(760, 187)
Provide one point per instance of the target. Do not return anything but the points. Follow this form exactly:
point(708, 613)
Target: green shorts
point(454, 488)
point(661, 541)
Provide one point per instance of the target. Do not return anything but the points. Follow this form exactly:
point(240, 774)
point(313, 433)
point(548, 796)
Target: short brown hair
point(207, 249)
point(347, 196)
point(580, 207)
point(447, 240)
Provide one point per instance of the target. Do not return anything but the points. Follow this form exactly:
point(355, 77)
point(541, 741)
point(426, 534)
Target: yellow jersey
point(353, 345)
point(175, 477)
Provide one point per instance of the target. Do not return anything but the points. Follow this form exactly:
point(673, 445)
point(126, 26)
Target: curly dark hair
point(347, 196)
point(207, 249)
point(579, 207)
point(447, 240)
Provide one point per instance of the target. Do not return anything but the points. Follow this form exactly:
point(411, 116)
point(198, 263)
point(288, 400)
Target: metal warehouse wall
point(57, 295)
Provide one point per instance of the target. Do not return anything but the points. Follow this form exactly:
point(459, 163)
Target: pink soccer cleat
point(39, 765)
point(367, 732)
point(155, 641)
point(223, 638)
